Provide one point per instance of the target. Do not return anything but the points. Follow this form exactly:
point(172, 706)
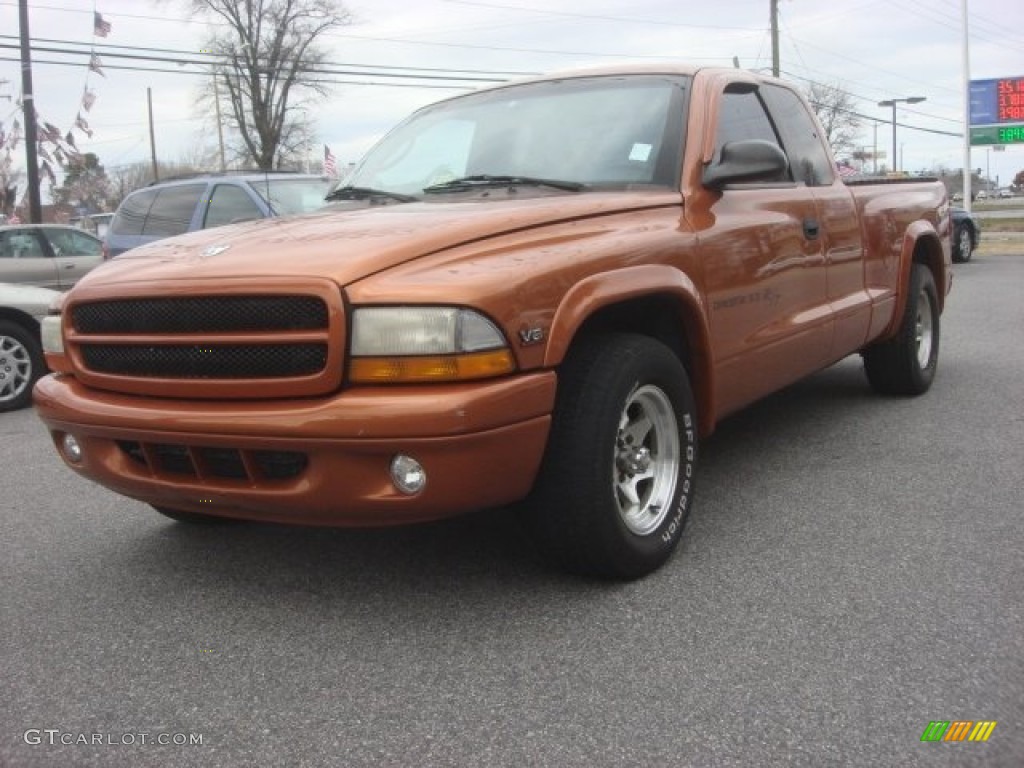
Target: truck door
point(839, 225)
point(764, 269)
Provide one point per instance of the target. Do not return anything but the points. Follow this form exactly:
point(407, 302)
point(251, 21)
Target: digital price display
point(1010, 106)
point(997, 111)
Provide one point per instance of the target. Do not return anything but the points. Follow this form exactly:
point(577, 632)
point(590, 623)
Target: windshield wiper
point(473, 182)
point(367, 193)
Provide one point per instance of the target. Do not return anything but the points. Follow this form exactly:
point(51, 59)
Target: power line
point(210, 59)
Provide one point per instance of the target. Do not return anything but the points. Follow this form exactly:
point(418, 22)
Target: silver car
point(47, 255)
point(22, 307)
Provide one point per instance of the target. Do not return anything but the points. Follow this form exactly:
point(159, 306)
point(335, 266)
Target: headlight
point(411, 344)
point(49, 333)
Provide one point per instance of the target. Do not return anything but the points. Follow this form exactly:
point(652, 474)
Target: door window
point(229, 204)
point(808, 158)
point(172, 210)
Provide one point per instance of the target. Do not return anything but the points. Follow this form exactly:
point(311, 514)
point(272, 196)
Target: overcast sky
point(875, 49)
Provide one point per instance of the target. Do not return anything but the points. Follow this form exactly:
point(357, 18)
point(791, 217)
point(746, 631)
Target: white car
point(22, 307)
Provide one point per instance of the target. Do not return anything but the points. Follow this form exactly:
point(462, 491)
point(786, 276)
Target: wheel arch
point(652, 300)
point(926, 248)
point(22, 319)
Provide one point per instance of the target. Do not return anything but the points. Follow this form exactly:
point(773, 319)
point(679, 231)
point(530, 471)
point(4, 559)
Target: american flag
point(330, 166)
point(100, 27)
point(846, 169)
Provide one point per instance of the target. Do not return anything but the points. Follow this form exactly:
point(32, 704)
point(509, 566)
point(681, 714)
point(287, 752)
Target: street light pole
point(892, 103)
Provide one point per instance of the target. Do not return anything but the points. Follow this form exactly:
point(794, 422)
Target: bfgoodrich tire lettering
point(906, 364)
point(617, 482)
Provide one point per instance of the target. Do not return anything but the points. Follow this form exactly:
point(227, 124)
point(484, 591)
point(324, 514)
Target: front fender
point(597, 292)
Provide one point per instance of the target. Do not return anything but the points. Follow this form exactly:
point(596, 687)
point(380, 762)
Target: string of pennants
point(53, 145)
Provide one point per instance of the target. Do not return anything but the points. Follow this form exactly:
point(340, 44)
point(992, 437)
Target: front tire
point(617, 482)
point(906, 364)
point(21, 364)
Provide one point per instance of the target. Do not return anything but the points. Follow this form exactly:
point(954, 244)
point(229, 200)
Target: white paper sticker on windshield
point(640, 152)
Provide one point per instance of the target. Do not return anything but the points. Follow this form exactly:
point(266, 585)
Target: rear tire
point(617, 482)
point(906, 364)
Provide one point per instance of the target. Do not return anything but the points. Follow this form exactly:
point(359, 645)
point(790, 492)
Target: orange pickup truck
point(545, 292)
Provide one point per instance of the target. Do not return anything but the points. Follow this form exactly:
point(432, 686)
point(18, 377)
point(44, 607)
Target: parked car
point(22, 308)
point(94, 223)
point(202, 201)
point(47, 255)
point(966, 235)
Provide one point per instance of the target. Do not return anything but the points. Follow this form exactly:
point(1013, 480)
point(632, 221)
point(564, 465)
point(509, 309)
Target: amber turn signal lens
point(439, 368)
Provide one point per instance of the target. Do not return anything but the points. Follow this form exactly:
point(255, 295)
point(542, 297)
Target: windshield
point(594, 131)
point(287, 196)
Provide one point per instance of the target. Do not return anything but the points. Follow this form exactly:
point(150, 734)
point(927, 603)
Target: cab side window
point(808, 158)
point(229, 204)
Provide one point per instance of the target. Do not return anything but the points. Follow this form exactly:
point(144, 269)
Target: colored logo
point(958, 730)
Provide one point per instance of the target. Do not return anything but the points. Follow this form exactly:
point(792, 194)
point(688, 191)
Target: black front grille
point(201, 314)
point(193, 361)
point(213, 463)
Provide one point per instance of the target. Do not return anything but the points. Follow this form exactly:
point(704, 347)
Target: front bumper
point(321, 461)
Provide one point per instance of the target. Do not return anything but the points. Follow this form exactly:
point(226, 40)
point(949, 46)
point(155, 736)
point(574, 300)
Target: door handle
point(811, 229)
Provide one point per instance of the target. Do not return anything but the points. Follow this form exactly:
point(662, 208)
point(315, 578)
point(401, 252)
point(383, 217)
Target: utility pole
point(220, 124)
point(775, 37)
point(152, 135)
point(28, 103)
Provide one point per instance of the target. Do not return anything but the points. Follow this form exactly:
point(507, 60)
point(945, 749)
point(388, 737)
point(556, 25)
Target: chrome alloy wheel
point(923, 329)
point(647, 457)
point(15, 368)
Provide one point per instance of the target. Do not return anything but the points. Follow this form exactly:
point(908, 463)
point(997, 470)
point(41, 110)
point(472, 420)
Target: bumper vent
point(215, 465)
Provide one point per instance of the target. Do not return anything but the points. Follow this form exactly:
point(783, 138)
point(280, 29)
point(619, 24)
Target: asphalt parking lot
point(852, 572)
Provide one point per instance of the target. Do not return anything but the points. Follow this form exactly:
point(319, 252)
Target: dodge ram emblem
point(213, 250)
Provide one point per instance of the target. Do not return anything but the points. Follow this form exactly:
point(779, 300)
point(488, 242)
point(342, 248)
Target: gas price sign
point(997, 111)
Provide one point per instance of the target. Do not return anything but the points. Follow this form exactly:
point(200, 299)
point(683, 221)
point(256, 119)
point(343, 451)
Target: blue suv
point(185, 204)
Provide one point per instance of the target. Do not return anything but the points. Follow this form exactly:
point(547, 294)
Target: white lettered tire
point(617, 483)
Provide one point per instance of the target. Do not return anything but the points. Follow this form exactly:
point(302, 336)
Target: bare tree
point(267, 59)
point(835, 109)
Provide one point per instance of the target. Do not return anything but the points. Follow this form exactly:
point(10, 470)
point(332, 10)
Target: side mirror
point(747, 161)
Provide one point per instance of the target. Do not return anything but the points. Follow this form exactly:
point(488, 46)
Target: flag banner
point(96, 65)
point(50, 133)
point(100, 27)
point(88, 99)
point(83, 126)
point(70, 140)
point(48, 172)
point(41, 151)
point(330, 165)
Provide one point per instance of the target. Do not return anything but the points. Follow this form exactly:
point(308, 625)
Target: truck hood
point(348, 245)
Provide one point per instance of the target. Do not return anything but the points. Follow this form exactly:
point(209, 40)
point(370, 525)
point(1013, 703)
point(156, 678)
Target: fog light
point(72, 448)
point(408, 474)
